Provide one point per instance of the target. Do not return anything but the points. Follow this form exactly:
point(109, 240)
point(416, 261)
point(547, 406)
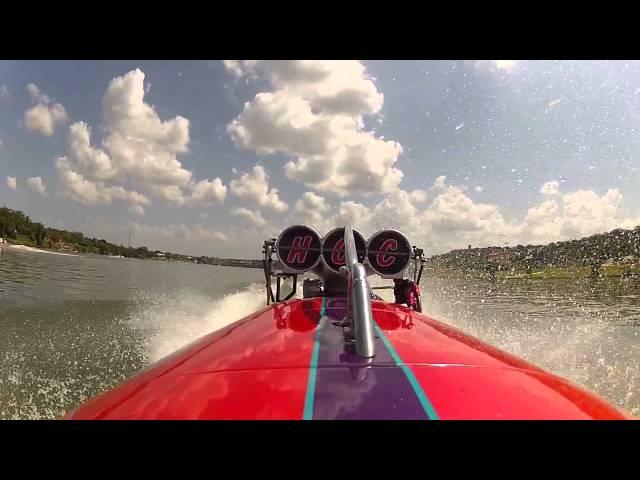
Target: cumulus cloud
point(575, 215)
point(418, 196)
point(137, 159)
point(311, 202)
point(4, 92)
point(44, 116)
point(37, 185)
point(253, 187)
point(11, 183)
point(453, 219)
point(206, 193)
point(550, 188)
point(585, 212)
point(314, 115)
point(439, 182)
point(180, 232)
point(495, 65)
point(79, 188)
point(254, 218)
point(505, 64)
point(137, 209)
point(311, 209)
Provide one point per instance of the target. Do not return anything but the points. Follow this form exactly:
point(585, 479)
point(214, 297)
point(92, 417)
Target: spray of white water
point(24, 248)
point(170, 321)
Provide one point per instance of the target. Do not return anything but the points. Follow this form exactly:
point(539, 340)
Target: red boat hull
point(288, 361)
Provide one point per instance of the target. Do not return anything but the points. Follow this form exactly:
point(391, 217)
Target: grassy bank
point(606, 271)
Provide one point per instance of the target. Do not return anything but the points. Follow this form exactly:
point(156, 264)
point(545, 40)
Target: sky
point(213, 157)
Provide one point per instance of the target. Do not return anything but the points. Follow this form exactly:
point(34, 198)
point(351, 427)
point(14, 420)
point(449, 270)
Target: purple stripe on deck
point(352, 388)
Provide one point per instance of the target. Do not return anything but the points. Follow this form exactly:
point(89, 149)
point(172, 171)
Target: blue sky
point(452, 152)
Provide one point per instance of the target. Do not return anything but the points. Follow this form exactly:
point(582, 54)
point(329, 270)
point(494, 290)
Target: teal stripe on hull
point(313, 368)
point(420, 393)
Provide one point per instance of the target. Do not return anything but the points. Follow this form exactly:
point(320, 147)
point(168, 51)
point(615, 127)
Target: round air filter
point(298, 248)
point(333, 253)
point(388, 253)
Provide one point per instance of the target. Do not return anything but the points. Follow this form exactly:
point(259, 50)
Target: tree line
point(15, 225)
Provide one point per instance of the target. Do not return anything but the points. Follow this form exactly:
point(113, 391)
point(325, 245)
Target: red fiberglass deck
point(288, 361)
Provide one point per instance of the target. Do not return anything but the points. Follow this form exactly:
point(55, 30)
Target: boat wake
point(24, 248)
point(168, 322)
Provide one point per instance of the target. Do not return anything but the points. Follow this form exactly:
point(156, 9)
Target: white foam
point(171, 321)
point(24, 248)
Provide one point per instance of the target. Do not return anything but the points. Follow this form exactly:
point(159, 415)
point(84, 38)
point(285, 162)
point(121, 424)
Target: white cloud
point(138, 154)
point(36, 95)
point(314, 114)
point(37, 185)
point(79, 188)
point(44, 117)
point(550, 188)
point(253, 186)
point(507, 65)
point(495, 65)
point(453, 219)
point(395, 210)
point(181, 232)
point(11, 183)
point(206, 193)
point(452, 210)
point(418, 196)
point(353, 213)
point(479, 189)
point(312, 210)
point(575, 215)
point(254, 218)
point(4, 92)
point(139, 143)
point(439, 182)
point(311, 202)
point(585, 212)
point(542, 222)
point(93, 162)
point(137, 209)
point(240, 67)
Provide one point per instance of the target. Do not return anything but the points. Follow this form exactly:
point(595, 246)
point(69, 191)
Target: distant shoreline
point(25, 248)
point(222, 262)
